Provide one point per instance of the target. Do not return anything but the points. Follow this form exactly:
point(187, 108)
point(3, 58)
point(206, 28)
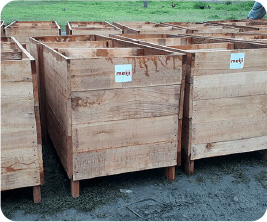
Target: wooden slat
point(99, 73)
point(80, 44)
point(230, 85)
point(227, 130)
point(98, 52)
point(118, 104)
point(113, 134)
point(125, 159)
point(229, 108)
point(229, 147)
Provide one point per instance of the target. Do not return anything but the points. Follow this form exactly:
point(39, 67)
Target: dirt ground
point(222, 188)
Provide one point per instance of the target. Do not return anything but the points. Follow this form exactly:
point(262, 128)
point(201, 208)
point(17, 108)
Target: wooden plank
point(18, 140)
point(98, 52)
point(98, 31)
point(80, 44)
point(12, 55)
point(60, 140)
point(75, 188)
point(227, 130)
point(128, 103)
point(210, 63)
point(125, 159)
point(165, 41)
point(229, 147)
point(113, 134)
point(213, 110)
point(98, 73)
point(205, 46)
point(17, 179)
point(170, 173)
point(37, 194)
point(230, 85)
point(15, 160)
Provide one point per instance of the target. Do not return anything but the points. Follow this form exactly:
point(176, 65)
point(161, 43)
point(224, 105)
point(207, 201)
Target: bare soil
point(229, 188)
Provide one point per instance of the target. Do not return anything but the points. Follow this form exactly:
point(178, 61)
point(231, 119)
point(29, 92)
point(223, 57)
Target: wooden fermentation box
point(22, 30)
point(21, 147)
point(225, 94)
point(89, 28)
point(102, 122)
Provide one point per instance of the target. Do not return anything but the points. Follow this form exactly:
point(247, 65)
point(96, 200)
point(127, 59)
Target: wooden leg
point(37, 194)
point(170, 173)
point(189, 166)
point(75, 188)
point(265, 154)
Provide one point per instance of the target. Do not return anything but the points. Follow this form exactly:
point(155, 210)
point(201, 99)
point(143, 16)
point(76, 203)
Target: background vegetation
point(157, 11)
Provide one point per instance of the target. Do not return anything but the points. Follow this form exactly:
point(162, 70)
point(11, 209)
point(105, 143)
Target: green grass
point(157, 11)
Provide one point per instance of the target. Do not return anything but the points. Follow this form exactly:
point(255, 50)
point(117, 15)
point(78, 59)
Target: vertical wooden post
point(37, 194)
point(189, 166)
point(170, 173)
point(75, 188)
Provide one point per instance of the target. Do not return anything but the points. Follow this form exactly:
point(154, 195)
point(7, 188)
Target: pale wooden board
point(230, 85)
point(18, 179)
point(99, 73)
point(19, 159)
point(100, 52)
point(213, 110)
point(15, 91)
point(59, 138)
point(227, 130)
point(55, 68)
point(229, 147)
point(165, 41)
point(79, 44)
point(210, 63)
point(18, 140)
point(130, 103)
point(97, 31)
point(113, 134)
point(125, 159)
point(14, 71)
point(59, 104)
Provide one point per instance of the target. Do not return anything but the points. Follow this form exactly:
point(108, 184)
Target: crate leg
point(265, 154)
point(170, 173)
point(75, 188)
point(37, 194)
point(189, 166)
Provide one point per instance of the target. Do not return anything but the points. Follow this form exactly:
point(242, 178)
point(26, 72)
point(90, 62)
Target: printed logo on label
point(123, 73)
point(237, 60)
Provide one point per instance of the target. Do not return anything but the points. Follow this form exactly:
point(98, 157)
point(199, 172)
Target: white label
point(237, 60)
point(123, 73)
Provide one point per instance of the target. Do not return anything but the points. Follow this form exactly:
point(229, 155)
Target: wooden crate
point(21, 147)
point(22, 30)
point(101, 126)
point(148, 27)
point(2, 29)
point(88, 28)
point(225, 106)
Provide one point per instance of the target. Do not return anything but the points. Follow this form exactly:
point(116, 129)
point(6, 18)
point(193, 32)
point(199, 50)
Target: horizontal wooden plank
point(12, 92)
point(230, 85)
point(14, 71)
point(19, 159)
point(79, 44)
point(210, 63)
point(100, 52)
point(117, 104)
point(200, 151)
point(97, 31)
point(99, 73)
point(125, 159)
point(165, 41)
point(18, 140)
point(227, 130)
point(224, 45)
point(10, 55)
point(18, 179)
point(113, 134)
point(229, 108)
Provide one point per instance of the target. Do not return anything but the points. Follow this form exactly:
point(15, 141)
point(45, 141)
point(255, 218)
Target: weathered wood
point(10, 55)
point(37, 194)
point(75, 188)
point(21, 156)
point(170, 173)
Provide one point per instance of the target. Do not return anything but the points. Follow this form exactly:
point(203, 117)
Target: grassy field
point(157, 11)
